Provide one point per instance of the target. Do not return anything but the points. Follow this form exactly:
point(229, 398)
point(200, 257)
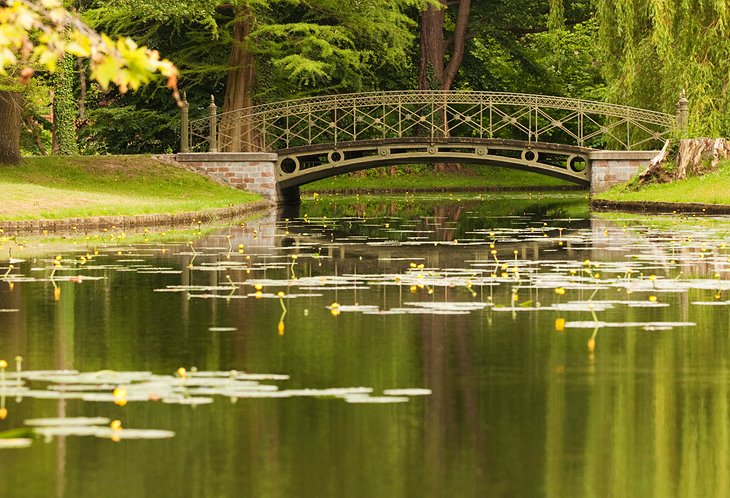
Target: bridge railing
point(436, 114)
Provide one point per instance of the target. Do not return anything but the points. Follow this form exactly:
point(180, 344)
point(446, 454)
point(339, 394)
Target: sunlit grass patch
point(79, 187)
point(710, 188)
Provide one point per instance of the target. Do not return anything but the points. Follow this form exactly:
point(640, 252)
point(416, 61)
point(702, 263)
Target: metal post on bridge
point(184, 125)
point(213, 119)
point(683, 115)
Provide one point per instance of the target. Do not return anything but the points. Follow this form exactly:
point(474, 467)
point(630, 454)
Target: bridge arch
point(301, 165)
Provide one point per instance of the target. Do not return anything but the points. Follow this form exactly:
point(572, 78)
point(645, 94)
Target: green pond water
point(557, 354)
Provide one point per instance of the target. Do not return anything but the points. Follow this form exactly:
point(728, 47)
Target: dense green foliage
point(632, 52)
point(653, 49)
point(64, 107)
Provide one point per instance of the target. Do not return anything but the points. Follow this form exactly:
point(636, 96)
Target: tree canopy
point(635, 52)
point(654, 49)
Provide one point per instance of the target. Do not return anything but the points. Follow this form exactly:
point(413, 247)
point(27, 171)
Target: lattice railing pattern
point(437, 114)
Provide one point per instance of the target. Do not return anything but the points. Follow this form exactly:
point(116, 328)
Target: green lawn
point(711, 188)
point(83, 186)
point(424, 178)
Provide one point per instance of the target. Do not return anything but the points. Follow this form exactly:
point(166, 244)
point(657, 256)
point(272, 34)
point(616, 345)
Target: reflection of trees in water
point(452, 413)
point(449, 218)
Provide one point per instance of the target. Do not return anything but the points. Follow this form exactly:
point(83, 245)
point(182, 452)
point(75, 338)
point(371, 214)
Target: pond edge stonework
point(141, 220)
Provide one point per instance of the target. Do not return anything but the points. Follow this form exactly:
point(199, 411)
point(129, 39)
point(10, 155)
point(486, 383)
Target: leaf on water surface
point(103, 432)
point(50, 432)
point(345, 308)
point(333, 392)
point(15, 443)
point(67, 421)
point(183, 400)
point(82, 387)
point(222, 329)
point(231, 391)
point(258, 394)
point(594, 325)
point(364, 399)
point(407, 392)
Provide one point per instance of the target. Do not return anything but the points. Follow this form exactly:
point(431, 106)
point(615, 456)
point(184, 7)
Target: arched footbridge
point(274, 148)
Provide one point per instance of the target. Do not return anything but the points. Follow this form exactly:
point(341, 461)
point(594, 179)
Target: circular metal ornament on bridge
point(383, 151)
point(576, 164)
point(432, 149)
point(481, 151)
point(530, 156)
point(289, 165)
point(334, 156)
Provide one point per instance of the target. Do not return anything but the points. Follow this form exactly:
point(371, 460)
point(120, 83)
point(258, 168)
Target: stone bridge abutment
point(256, 172)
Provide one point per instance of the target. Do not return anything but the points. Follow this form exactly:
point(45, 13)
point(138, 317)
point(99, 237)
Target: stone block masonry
point(611, 167)
point(256, 172)
point(251, 171)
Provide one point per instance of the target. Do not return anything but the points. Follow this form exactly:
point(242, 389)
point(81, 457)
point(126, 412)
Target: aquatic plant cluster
point(186, 387)
point(518, 265)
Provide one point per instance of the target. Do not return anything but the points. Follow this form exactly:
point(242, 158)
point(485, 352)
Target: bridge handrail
point(332, 102)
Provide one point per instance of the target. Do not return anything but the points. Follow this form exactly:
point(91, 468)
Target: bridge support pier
point(614, 167)
point(251, 171)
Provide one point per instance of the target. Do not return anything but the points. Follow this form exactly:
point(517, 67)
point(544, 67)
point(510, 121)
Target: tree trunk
point(457, 57)
point(434, 72)
point(82, 88)
point(237, 135)
point(433, 49)
point(10, 126)
point(695, 156)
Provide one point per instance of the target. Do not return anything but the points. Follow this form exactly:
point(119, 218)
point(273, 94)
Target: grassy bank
point(710, 188)
point(425, 178)
point(84, 186)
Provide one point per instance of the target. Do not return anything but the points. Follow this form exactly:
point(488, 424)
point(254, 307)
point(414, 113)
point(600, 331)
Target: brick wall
point(610, 168)
point(253, 172)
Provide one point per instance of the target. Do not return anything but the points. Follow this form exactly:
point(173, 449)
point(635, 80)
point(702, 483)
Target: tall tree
point(434, 72)
point(240, 81)
point(653, 49)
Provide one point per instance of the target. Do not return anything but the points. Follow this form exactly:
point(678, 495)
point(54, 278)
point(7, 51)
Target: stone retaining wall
point(610, 168)
point(251, 171)
point(96, 223)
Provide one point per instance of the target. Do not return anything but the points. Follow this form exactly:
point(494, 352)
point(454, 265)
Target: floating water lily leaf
point(182, 400)
point(364, 399)
point(407, 392)
point(15, 443)
point(594, 325)
point(67, 422)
